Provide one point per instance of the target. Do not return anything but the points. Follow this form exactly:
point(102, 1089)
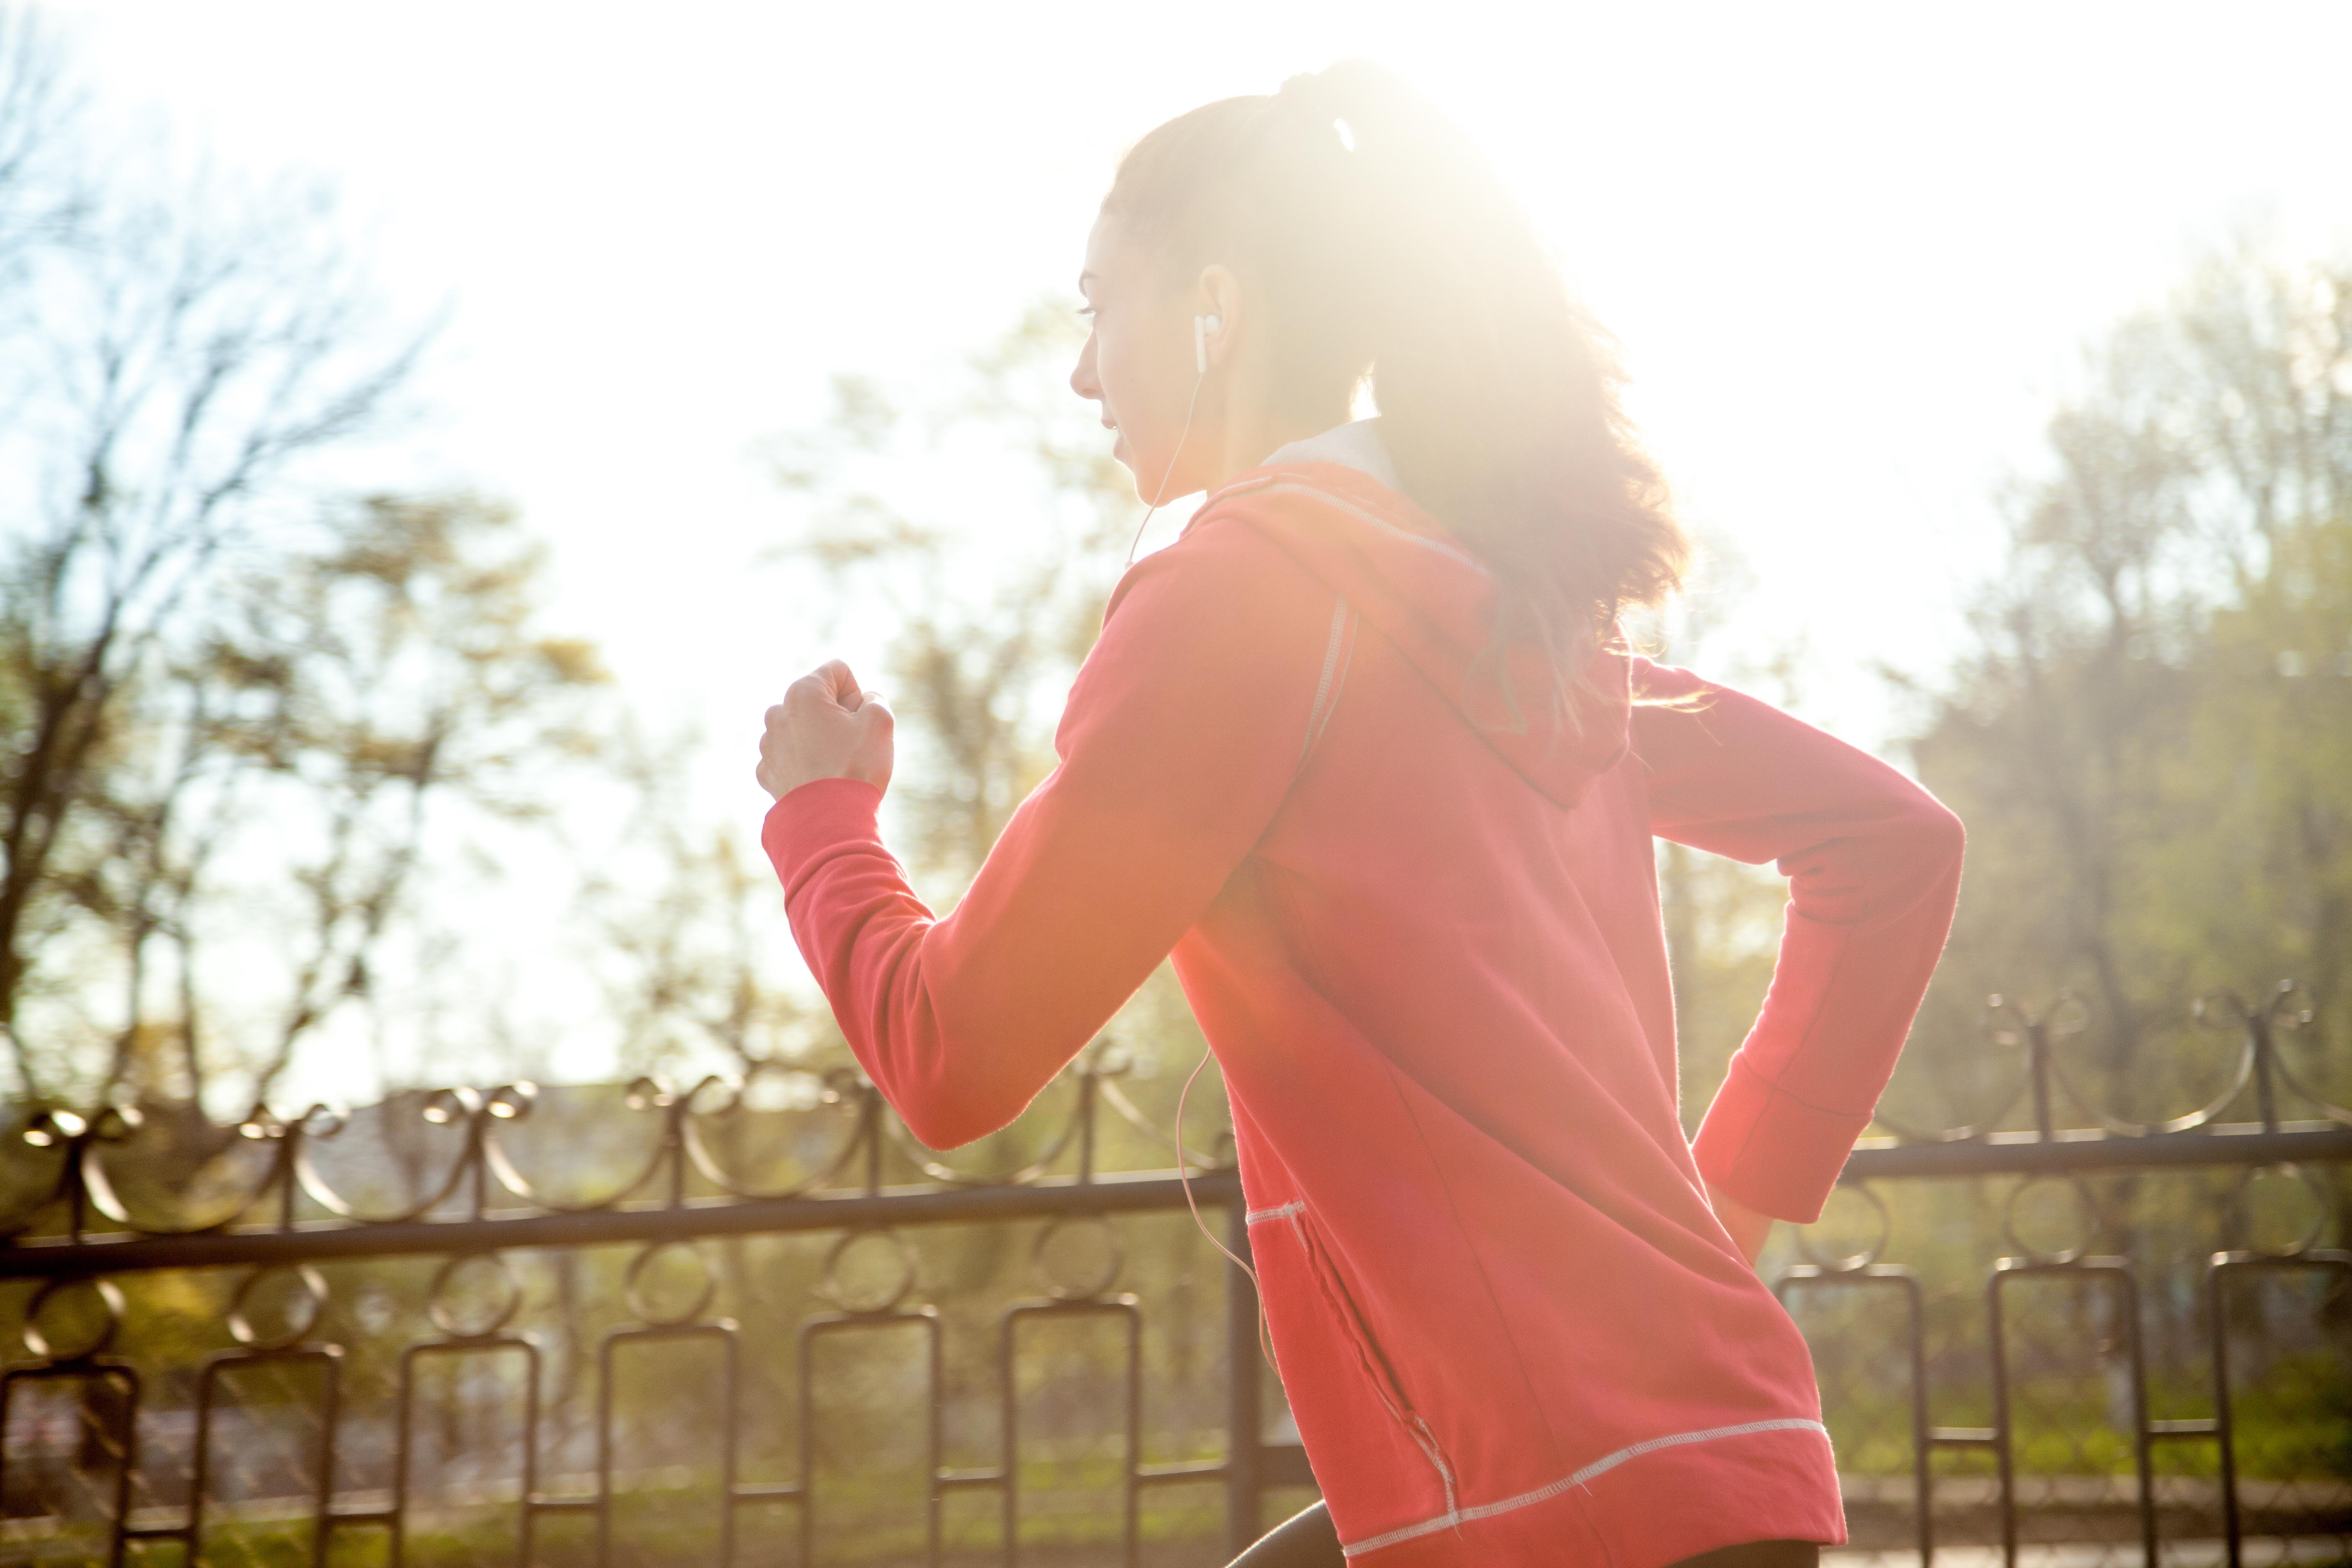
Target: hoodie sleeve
point(1874, 868)
point(1182, 733)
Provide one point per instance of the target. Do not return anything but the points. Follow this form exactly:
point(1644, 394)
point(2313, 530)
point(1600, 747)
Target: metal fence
point(440, 1331)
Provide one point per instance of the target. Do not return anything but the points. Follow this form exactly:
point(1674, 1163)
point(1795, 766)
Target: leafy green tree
point(690, 940)
point(2144, 731)
point(285, 773)
point(232, 710)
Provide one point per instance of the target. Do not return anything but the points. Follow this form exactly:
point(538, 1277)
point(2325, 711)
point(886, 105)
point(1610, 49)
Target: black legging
point(1307, 1541)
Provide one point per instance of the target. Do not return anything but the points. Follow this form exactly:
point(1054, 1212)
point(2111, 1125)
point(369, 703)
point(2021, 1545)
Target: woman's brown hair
point(1386, 249)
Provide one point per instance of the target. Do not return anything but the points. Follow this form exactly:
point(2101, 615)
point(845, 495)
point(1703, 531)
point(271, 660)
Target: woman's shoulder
point(1222, 557)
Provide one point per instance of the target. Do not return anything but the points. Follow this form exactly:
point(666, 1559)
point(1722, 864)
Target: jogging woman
point(1365, 751)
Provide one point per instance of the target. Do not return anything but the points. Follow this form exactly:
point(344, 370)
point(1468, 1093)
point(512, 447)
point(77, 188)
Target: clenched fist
point(825, 728)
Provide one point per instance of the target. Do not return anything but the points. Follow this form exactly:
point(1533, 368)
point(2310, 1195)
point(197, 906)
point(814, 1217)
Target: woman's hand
point(825, 728)
point(1748, 1228)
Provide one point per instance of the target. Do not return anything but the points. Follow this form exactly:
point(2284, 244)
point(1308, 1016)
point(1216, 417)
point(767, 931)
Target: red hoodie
point(1424, 941)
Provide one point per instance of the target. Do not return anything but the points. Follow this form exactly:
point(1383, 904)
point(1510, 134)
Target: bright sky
point(1851, 250)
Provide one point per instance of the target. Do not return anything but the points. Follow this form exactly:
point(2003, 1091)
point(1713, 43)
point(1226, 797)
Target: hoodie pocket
point(1361, 1349)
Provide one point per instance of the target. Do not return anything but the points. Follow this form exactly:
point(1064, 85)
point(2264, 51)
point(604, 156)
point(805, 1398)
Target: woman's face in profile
point(1138, 363)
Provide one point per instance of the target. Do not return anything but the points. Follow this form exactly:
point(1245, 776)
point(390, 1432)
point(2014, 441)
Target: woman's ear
point(1218, 301)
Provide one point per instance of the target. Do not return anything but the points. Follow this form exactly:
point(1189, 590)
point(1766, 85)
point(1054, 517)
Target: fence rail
point(237, 1403)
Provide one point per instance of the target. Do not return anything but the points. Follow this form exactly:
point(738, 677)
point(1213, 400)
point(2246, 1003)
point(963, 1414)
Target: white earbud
point(1201, 327)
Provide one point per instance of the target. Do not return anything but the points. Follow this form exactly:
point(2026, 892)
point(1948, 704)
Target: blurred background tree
point(989, 632)
point(2146, 732)
point(235, 701)
point(689, 940)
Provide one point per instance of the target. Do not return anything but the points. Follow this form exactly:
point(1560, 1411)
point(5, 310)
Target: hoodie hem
point(1762, 1480)
point(1597, 1467)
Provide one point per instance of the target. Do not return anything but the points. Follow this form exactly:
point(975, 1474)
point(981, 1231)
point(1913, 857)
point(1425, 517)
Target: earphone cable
point(1184, 1177)
point(1168, 473)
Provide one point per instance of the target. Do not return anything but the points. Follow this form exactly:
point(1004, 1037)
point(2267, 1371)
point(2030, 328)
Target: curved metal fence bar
point(634, 1379)
point(1120, 1192)
point(483, 1176)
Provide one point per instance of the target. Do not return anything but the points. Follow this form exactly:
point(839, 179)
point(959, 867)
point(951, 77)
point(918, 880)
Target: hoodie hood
point(1399, 568)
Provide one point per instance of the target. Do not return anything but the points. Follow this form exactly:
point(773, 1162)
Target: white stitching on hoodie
point(1316, 716)
point(1454, 1516)
point(1347, 659)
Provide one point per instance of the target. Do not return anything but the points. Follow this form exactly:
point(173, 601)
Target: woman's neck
point(1247, 441)
point(1252, 423)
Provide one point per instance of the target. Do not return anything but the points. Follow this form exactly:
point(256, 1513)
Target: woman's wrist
point(1747, 1227)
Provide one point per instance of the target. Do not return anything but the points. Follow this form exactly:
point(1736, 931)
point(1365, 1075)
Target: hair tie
point(1306, 100)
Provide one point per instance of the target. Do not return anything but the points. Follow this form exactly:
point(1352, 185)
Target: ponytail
point(1389, 251)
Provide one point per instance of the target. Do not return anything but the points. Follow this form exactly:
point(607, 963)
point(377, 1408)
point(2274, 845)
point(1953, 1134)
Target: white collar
point(1356, 444)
